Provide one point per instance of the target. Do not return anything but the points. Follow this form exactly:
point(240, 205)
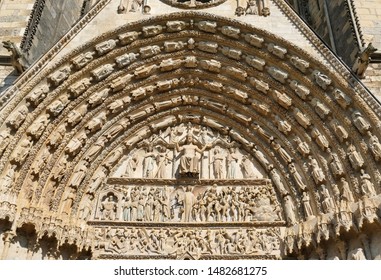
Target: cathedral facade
point(190, 129)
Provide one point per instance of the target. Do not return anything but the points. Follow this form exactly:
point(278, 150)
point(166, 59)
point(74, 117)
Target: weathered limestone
point(188, 134)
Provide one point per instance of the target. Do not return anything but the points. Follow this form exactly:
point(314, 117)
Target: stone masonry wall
point(369, 14)
point(318, 19)
point(14, 16)
point(346, 43)
point(56, 19)
point(331, 20)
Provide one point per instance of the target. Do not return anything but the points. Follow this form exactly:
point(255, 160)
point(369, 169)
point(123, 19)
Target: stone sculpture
point(362, 60)
point(189, 161)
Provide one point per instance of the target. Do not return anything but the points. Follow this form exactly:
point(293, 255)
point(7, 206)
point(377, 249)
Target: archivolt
point(258, 89)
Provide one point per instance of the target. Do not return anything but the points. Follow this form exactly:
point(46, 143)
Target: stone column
point(8, 239)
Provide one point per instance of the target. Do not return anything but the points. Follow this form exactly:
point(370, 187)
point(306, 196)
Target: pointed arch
point(316, 134)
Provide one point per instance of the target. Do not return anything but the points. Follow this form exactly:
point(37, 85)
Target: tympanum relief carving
point(188, 179)
point(200, 243)
point(188, 204)
point(190, 152)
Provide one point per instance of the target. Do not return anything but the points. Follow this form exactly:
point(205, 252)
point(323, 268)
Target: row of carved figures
point(77, 143)
point(161, 160)
point(244, 7)
point(158, 163)
point(141, 241)
point(184, 205)
point(331, 226)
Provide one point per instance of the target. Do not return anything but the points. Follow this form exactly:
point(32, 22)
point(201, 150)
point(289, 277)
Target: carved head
point(369, 49)
point(121, 9)
point(8, 45)
point(239, 11)
point(146, 9)
point(189, 138)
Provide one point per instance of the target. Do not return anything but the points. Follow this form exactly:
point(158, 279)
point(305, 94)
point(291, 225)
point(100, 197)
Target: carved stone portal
point(168, 194)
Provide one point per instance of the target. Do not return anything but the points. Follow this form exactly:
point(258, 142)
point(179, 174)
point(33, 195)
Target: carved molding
point(70, 129)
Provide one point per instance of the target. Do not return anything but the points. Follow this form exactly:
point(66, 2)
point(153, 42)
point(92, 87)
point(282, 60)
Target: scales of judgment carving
point(188, 192)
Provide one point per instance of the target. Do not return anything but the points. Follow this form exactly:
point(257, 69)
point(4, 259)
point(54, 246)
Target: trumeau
point(204, 133)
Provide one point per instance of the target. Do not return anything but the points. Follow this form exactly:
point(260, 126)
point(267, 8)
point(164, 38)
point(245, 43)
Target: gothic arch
point(292, 115)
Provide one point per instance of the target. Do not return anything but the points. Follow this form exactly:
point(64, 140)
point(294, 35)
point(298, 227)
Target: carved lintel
point(185, 181)
point(198, 225)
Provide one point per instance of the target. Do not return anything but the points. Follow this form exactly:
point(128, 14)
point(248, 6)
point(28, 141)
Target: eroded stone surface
point(189, 136)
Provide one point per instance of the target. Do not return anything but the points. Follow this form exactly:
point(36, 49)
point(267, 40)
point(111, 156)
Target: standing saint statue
point(68, 200)
point(232, 163)
point(189, 201)
point(217, 161)
point(289, 209)
point(149, 163)
point(127, 209)
point(79, 174)
point(307, 205)
point(189, 160)
point(162, 160)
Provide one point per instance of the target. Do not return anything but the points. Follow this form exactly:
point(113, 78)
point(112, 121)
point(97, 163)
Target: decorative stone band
point(185, 182)
point(207, 243)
